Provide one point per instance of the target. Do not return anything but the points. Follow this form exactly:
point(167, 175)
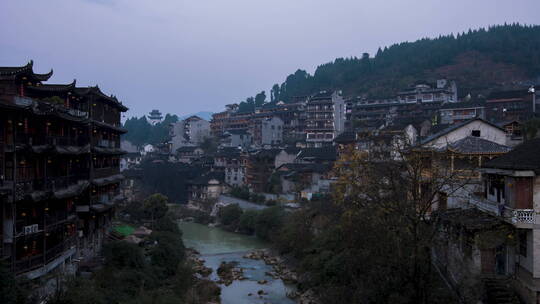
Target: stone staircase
point(499, 291)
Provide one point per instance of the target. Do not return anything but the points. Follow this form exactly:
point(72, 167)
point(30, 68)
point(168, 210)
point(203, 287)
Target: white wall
point(487, 132)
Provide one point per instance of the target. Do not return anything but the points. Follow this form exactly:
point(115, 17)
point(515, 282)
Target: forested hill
point(478, 60)
point(140, 131)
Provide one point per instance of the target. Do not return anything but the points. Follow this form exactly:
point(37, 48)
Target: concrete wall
point(272, 131)
point(284, 158)
point(339, 113)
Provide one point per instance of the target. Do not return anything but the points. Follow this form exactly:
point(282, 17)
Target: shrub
point(268, 221)
point(230, 215)
point(122, 255)
point(247, 221)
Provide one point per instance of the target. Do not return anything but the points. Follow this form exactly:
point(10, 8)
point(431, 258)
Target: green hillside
point(500, 56)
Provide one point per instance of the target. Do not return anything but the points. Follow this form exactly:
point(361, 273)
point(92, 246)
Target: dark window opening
point(523, 243)
point(475, 133)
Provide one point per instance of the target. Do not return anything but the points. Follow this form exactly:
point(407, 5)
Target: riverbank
point(242, 280)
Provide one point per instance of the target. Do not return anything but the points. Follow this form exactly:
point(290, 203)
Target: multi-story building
point(218, 122)
point(498, 239)
point(188, 132)
point(461, 111)
point(292, 114)
point(259, 167)
point(325, 118)
point(236, 138)
point(519, 105)
point(442, 91)
point(59, 170)
point(233, 162)
point(266, 131)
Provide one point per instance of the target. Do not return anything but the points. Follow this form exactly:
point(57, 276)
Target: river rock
point(308, 297)
point(262, 282)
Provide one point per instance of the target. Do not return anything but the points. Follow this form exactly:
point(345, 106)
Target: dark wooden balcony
point(49, 183)
point(106, 172)
point(41, 140)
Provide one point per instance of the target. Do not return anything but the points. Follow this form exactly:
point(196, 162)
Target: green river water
point(217, 245)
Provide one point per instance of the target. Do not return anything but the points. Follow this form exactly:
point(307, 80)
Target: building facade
point(59, 170)
point(189, 132)
point(325, 118)
point(266, 131)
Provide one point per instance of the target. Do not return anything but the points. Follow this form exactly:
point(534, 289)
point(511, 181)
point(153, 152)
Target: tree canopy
point(471, 58)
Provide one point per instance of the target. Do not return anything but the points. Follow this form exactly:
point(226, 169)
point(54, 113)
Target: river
point(217, 245)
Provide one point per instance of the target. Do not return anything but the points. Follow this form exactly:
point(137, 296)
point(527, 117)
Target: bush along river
point(240, 265)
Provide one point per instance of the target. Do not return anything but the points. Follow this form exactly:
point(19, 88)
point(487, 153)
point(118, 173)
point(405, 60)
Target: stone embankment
point(229, 272)
point(280, 270)
point(198, 263)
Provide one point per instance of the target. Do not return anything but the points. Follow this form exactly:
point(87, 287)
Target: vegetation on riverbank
point(154, 271)
point(262, 223)
point(369, 242)
point(245, 194)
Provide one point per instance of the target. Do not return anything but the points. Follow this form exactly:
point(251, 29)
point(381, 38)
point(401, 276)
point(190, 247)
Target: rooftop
point(476, 145)
point(524, 157)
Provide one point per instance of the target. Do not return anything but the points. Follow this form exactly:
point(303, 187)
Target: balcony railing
point(28, 263)
point(78, 113)
point(36, 261)
point(106, 143)
point(40, 140)
point(50, 183)
point(106, 172)
point(23, 101)
point(525, 216)
point(514, 216)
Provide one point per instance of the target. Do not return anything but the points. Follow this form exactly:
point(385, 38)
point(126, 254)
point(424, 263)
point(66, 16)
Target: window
point(475, 133)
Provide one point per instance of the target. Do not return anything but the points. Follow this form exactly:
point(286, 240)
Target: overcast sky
point(184, 56)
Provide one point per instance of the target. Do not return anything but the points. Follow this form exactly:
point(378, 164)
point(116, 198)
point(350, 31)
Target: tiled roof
point(476, 145)
point(292, 150)
point(524, 157)
point(325, 153)
point(12, 72)
point(471, 219)
point(186, 149)
point(305, 168)
point(228, 152)
point(322, 95)
point(507, 94)
point(54, 87)
point(205, 178)
point(345, 137)
point(270, 153)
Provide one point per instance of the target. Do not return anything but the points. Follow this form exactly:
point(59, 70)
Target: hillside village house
point(187, 154)
point(206, 187)
point(458, 151)
point(233, 163)
point(236, 138)
point(451, 113)
point(325, 118)
point(266, 131)
point(499, 237)
point(189, 132)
